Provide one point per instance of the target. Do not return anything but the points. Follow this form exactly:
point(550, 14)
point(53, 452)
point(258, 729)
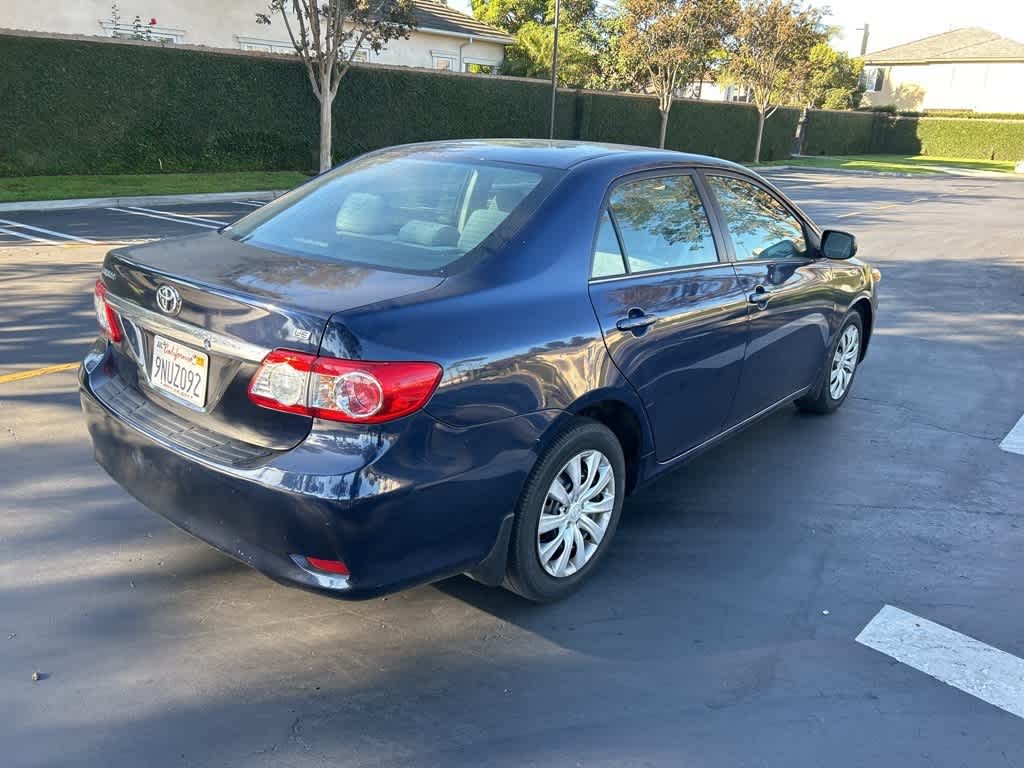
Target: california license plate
point(179, 370)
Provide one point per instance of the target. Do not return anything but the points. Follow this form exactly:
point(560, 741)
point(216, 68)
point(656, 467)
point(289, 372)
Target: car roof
point(549, 153)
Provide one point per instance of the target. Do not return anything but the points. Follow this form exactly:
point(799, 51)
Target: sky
point(894, 22)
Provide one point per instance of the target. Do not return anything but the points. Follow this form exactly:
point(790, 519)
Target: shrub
point(89, 107)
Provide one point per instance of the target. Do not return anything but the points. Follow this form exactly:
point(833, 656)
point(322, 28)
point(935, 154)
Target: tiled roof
point(967, 44)
point(438, 16)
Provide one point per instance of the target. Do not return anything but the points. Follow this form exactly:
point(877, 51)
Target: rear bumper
point(399, 508)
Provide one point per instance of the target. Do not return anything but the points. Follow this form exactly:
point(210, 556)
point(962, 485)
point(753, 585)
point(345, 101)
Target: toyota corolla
point(460, 357)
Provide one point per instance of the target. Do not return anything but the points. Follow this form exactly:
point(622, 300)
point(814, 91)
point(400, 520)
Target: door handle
point(760, 297)
point(636, 322)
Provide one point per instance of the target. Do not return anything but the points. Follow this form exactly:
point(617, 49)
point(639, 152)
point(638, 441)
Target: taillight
point(330, 566)
point(354, 391)
point(105, 315)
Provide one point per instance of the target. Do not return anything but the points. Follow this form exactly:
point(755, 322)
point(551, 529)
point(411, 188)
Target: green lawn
point(899, 163)
point(21, 188)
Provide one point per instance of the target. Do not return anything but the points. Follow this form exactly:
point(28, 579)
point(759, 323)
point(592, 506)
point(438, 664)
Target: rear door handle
point(636, 322)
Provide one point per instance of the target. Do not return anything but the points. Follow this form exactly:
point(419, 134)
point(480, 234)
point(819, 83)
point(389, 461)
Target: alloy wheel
point(844, 362)
point(576, 513)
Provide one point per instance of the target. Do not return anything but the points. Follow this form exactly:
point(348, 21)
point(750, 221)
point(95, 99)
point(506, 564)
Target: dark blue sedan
point(460, 357)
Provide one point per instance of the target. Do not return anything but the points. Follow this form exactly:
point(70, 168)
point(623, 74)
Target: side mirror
point(836, 244)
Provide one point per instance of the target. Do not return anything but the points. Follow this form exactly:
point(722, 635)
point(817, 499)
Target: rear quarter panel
point(515, 333)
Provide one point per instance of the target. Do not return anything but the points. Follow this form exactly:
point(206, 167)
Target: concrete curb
point(957, 173)
point(115, 202)
point(847, 171)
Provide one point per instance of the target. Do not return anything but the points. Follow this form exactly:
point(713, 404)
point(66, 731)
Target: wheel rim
point(576, 513)
point(844, 362)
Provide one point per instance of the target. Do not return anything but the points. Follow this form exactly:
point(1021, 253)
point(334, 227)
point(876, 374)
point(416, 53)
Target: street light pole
point(866, 29)
point(554, 68)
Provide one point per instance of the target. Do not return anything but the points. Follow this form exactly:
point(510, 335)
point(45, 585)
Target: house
point(968, 68)
point(443, 39)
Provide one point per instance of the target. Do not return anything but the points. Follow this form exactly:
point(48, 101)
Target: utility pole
point(554, 68)
point(864, 38)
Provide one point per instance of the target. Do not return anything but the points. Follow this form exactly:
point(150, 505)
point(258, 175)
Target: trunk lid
point(232, 303)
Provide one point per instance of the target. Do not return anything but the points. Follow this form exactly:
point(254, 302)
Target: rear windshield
point(399, 212)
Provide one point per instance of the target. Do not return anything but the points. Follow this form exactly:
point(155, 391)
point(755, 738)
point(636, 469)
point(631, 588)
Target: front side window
point(662, 223)
point(760, 225)
point(397, 211)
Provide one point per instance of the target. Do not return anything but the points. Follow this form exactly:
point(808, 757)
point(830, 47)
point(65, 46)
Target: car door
point(671, 307)
point(787, 289)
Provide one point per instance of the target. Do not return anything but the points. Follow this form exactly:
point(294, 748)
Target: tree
point(772, 39)
point(511, 15)
point(531, 55)
point(532, 24)
point(668, 44)
point(830, 79)
point(327, 37)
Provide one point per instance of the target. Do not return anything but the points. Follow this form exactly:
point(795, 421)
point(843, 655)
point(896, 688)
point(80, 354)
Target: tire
point(844, 354)
point(598, 453)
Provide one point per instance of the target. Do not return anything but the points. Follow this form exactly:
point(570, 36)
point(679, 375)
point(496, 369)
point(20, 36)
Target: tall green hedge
point(838, 133)
point(713, 128)
point(97, 107)
point(879, 133)
point(951, 137)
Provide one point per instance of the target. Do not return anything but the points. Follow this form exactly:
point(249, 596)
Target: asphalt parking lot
point(721, 630)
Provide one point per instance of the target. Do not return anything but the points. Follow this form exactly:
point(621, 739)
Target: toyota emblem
point(168, 299)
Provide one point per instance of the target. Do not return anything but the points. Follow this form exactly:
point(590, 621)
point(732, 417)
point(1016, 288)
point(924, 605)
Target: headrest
point(428, 233)
point(364, 214)
point(479, 225)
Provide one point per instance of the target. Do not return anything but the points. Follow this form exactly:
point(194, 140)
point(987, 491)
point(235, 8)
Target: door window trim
point(721, 254)
point(811, 238)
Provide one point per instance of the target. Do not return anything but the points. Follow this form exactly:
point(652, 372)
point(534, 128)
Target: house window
point(443, 60)
point(480, 67)
point(264, 46)
point(738, 93)
point(872, 78)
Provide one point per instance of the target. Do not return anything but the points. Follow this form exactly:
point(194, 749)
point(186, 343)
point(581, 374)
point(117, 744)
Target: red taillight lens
point(105, 315)
point(330, 566)
point(354, 391)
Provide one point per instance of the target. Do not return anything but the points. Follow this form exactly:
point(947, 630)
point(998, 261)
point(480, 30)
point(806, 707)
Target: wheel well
point(621, 420)
point(863, 308)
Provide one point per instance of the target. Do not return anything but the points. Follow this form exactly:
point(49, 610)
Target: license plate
point(179, 370)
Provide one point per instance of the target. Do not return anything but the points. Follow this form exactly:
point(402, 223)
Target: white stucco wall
point(224, 24)
point(983, 87)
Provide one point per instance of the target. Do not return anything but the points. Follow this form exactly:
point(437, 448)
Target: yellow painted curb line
point(9, 377)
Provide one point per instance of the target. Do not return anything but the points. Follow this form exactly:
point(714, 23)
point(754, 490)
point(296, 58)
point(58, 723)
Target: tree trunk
point(664, 125)
point(760, 133)
point(325, 130)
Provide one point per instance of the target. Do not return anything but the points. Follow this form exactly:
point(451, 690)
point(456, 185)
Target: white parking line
point(957, 660)
point(164, 218)
point(19, 225)
point(23, 236)
point(1014, 440)
point(254, 205)
point(204, 219)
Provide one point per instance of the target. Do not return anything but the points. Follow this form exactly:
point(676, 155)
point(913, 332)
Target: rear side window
point(397, 211)
point(662, 224)
point(607, 254)
point(760, 225)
